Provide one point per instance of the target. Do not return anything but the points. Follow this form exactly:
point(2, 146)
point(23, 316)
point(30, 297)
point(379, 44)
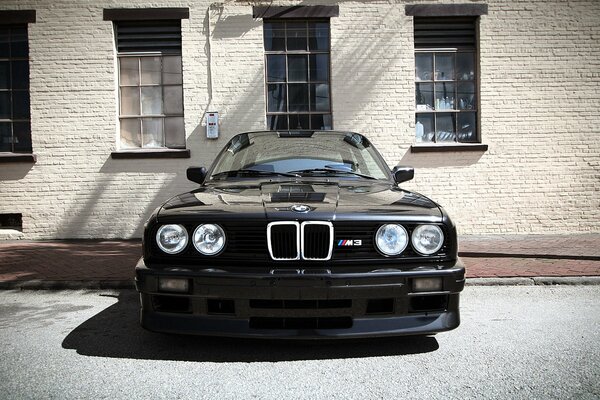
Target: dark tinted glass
point(19, 46)
point(22, 137)
point(319, 97)
point(320, 121)
point(276, 98)
point(298, 100)
point(275, 68)
point(318, 35)
point(445, 127)
point(296, 36)
point(5, 137)
point(467, 127)
point(20, 104)
point(20, 74)
point(297, 68)
point(319, 67)
point(299, 121)
point(277, 122)
point(4, 75)
point(274, 34)
point(4, 43)
point(5, 105)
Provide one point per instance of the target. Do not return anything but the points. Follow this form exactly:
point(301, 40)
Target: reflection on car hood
point(325, 200)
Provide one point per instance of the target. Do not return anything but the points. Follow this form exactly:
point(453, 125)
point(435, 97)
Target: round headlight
point(171, 239)
point(427, 239)
point(391, 239)
point(209, 239)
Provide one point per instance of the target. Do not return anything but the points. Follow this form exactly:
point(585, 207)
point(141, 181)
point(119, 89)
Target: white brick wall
point(540, 64)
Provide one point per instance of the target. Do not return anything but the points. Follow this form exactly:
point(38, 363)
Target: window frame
point(307, 52)
point(11, 90)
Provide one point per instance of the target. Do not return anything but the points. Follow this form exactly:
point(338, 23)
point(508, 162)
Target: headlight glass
point(209, 239)
point(391, 239)
point(427, 239)
point(172, 238)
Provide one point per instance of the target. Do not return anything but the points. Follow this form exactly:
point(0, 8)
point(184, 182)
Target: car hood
point(301, 200)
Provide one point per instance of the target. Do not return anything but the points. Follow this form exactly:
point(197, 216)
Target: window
point(15, 125)
point(150, 84)
point(446, 80)
point(297, 64)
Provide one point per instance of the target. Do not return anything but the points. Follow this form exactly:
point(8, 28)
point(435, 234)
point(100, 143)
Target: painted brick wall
point(539, 72)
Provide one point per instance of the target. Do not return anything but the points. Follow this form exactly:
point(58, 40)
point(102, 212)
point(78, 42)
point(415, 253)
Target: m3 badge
point(349, 242)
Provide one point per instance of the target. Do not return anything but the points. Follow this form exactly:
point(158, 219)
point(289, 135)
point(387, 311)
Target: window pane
point(296, 36)
point(298, 100)
point(276, 98)
point(318, 35)
point(297, 68)
point(467, 127)
point(130, 133)
point(4, 43)
point(319, 97)
point(424, 67)
point(129, 73)
point(130, 101)
point(444, 96)
point(5, 137)
point(174, 133)
point(319, 67)
point(20, 74)
point(299, 121)
point(424, 128)
point(4, 75)
point(172, 72)
point(277, 122)
point(5, 105)
point(152, 132)
point(444, 66)
point(274, 33)
point(466, 96)
point(275, 68)
point(465, 66)
point(20, 104)
point(150, 70)
point(173, 99)
point(19, 46)
point(151, 101)
point(320, 121)
point(424, 96)
point(445, 127)
point(22, 137)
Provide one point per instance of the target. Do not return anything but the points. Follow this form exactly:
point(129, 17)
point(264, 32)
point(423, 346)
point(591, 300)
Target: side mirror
point(403, 174)
point(196, 174)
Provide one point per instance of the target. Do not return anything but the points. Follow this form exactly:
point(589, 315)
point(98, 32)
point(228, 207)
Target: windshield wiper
point(331, 171)
point(251, 172)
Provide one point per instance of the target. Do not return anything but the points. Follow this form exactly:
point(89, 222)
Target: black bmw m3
point(300, 235)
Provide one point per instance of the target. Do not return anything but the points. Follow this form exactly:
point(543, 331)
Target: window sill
point(147, 153)
point(6, 157)
point(442, 148)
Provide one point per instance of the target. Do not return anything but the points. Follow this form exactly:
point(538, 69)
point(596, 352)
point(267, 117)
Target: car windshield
point(299, 154)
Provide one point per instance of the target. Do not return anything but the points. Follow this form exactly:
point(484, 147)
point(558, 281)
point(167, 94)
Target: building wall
point(539, 74)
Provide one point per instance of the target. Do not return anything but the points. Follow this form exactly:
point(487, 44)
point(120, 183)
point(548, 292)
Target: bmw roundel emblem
point(300, 208)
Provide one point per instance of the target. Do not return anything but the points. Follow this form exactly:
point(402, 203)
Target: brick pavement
point(484, 257)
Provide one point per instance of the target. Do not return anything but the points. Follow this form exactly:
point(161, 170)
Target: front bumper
point(301, 304)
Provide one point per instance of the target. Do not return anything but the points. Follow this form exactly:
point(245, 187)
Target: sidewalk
point(110, 263)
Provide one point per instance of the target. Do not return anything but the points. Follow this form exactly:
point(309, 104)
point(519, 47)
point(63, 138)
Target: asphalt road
point(514, 342)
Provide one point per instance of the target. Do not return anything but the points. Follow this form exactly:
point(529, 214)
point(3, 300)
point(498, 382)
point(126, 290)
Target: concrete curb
point(129, 284)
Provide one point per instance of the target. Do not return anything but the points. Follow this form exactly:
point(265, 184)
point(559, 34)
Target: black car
point(300, 235)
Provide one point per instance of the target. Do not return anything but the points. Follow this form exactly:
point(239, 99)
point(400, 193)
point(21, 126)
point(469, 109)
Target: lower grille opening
point(380, 306)
point(300, 323)
point(300, 304)
point(172, 304)
point(428, 303)
point(220, 306)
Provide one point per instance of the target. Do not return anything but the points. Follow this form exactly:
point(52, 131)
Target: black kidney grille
point(317, 241)
point(284, 242)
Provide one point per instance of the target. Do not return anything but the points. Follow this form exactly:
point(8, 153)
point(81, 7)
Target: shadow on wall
point(115, 332)
point(15, 171)
point(441, 160)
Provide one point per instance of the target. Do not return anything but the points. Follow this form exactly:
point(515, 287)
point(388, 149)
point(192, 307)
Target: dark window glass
point(150, 85)
point(297, 74)
point(5, 105)
point(19, 46)
point(467, 127)
point(20, 105)
point(5, 136)
point(274, 34)
point(4, 75)
point(4, 42)
point(22, 137)
point(20, 74)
